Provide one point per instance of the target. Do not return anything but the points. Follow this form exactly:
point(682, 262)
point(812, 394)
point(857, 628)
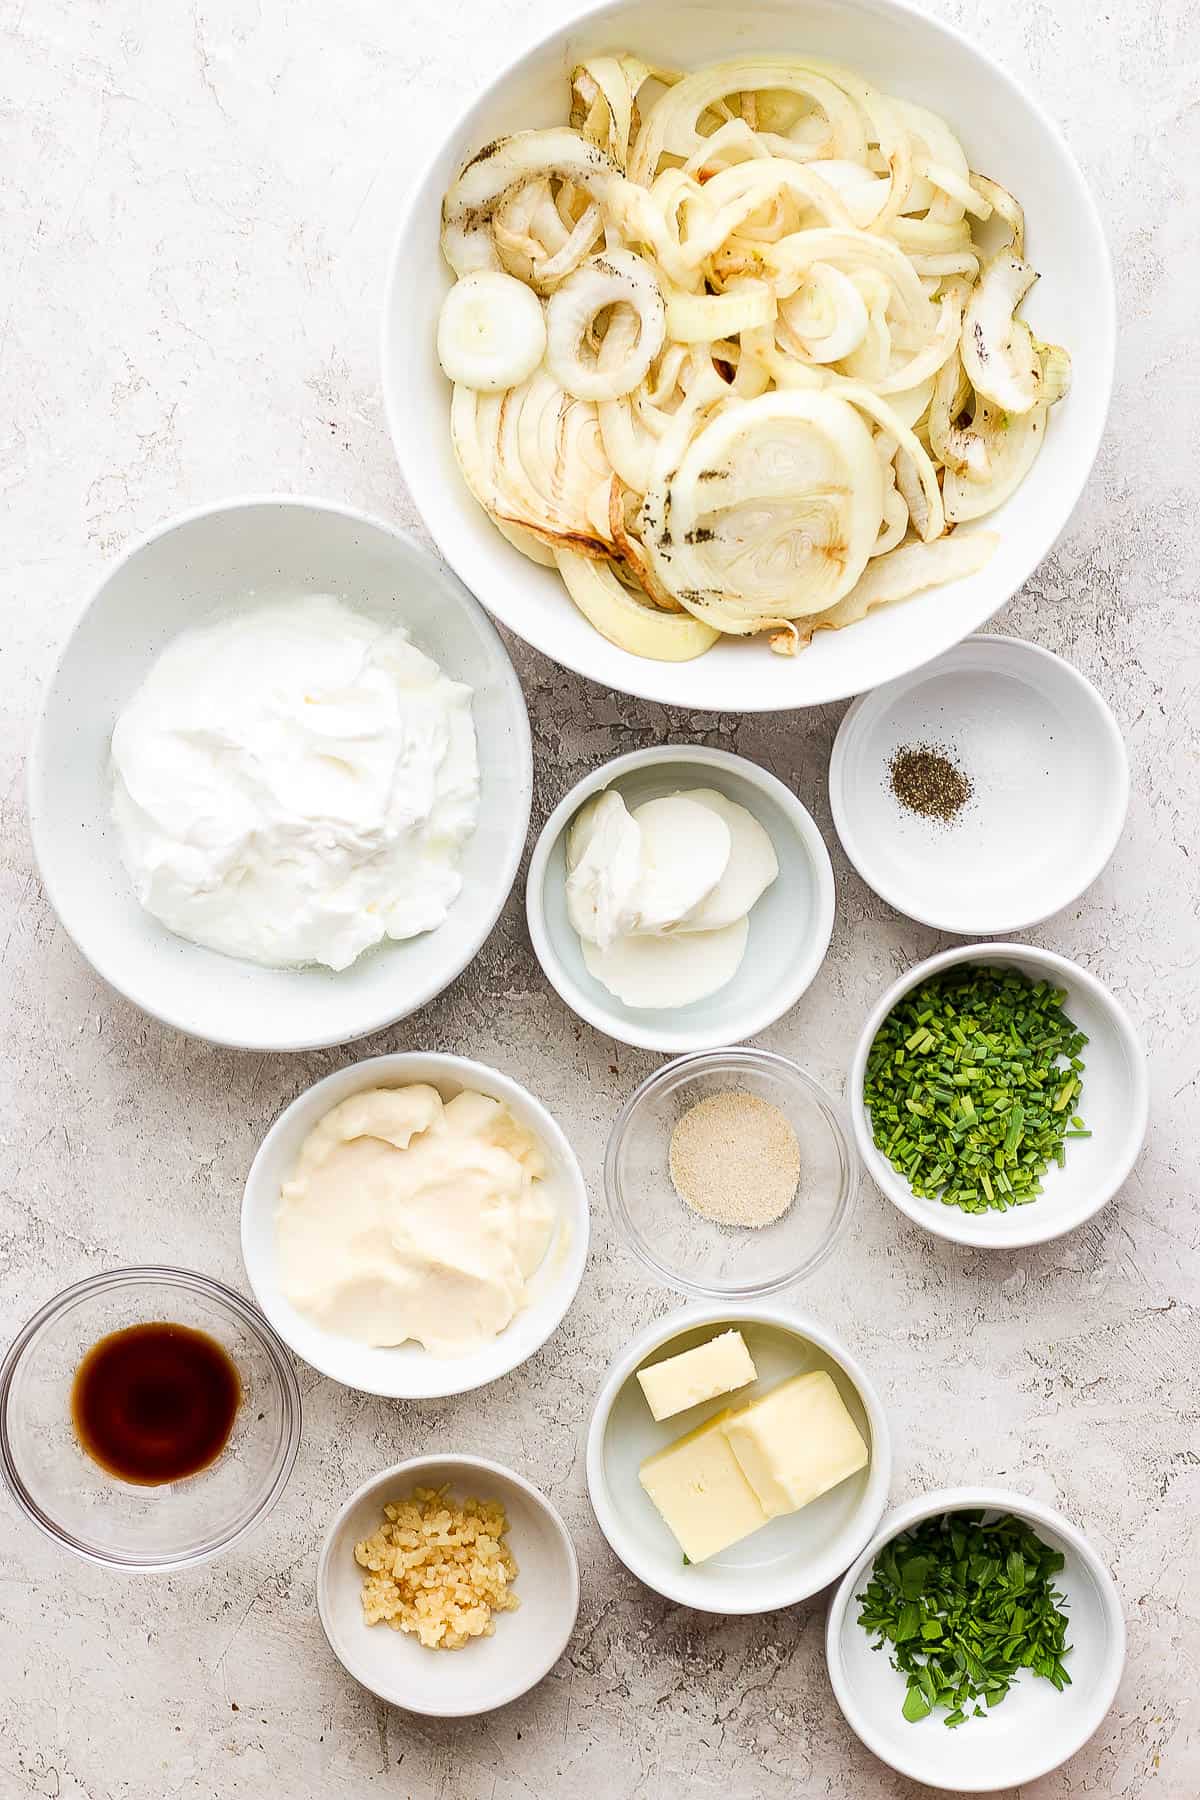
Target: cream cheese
point(295, 783)
point(409, 1218)
point(660, 897)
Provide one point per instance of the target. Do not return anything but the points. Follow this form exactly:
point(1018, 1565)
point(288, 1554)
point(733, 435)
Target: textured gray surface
point(198, 208)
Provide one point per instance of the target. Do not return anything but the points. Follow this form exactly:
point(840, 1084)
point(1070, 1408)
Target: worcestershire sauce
point(154, 1403)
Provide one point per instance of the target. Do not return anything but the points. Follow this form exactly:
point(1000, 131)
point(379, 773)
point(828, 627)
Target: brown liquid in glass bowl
point(154, 1403)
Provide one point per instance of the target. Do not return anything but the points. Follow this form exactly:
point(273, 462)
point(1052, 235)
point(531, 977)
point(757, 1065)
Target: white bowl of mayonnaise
point(415, 1225)
point(280, 786)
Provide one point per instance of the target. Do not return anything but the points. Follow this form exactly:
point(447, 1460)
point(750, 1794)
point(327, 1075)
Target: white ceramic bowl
point(1004, 132)
point(216, 561)
point(790, 925)
point(1035, 1728)
point(1114, 1104)
point(490, 1671)
point(1050, 781)
point(793, 1557)
point(408, 1371)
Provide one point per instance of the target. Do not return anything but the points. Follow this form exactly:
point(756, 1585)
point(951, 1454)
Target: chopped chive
point(972, 1085)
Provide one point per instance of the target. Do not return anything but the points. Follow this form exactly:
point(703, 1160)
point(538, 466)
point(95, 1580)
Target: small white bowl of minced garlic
point(415, 1225)
point(679, 898)
point(448, 1585)
point(731, 1173)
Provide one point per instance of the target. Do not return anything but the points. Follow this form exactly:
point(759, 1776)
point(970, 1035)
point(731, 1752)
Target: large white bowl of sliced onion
point(746, 357)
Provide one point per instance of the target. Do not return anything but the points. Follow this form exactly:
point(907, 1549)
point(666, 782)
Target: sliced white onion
point(672, 125)
point(641, 629)
point(1011, 442)
point(907, 571)
point(998, 349)
point(705, 318)
point(827, 315)
point(491, 332)
point(615, 278)
point(862, 193)
point(884, 415)
point(957, 447)
point(532, 457)
point(505, 165)
point(1005, 207)
point(772, 513)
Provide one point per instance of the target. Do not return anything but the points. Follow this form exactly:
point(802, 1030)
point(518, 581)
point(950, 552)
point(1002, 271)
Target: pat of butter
point(795, 1443)
point(719, 1366)
point(699, 1488)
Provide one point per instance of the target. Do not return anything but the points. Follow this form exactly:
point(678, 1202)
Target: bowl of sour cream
point(281, 781)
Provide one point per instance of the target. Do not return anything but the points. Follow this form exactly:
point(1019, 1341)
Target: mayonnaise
point(295, 783)
point(660, 897)
point(409, 1218)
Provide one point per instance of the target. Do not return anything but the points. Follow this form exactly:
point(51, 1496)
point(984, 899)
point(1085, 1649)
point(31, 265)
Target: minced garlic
point(438, 1569)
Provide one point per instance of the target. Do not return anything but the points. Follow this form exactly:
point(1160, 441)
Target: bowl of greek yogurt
point(680, 898)
point(281, 781)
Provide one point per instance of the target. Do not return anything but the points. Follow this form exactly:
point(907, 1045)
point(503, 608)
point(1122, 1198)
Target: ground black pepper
point(926, 779)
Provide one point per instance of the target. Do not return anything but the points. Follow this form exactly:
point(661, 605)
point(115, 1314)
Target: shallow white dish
point(408, 1371)
point(1114, 1104)
point(1050, 782)
point(790, 925)
point(1035, 1728)
point(1004, 131)
point(489, 1671)
point(793, 1557)
point(214, 562)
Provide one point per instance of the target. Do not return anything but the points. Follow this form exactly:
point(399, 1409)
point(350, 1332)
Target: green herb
point(972, 1086)
point(687, 1561)
point(964, 1606)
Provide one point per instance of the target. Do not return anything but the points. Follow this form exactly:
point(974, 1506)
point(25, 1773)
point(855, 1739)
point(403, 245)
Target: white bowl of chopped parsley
point(977, 1642)
point(999, 1095)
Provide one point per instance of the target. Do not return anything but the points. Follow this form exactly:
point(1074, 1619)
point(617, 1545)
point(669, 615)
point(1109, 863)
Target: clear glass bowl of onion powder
point(730, 1174)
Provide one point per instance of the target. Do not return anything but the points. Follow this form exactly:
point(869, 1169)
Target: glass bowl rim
point(735, 1057)
point(247, 1314)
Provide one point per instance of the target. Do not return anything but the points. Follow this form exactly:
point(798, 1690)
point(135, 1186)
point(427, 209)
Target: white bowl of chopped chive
point(999, 1095)
point(977, 1642)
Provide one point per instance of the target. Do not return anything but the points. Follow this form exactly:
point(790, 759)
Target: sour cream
point(660, 897)
point(295, 783)
point(407, 1217)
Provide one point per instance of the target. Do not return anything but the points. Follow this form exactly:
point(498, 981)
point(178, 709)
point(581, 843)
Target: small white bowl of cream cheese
point(281, 782)
point(680, 898)
point(415, 1225)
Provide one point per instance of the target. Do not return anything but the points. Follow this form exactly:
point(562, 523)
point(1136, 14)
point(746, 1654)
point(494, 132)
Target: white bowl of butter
point(415, 1225)
point(737, 929)
point(721, 1473)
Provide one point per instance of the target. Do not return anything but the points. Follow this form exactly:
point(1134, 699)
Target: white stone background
point(198, 204)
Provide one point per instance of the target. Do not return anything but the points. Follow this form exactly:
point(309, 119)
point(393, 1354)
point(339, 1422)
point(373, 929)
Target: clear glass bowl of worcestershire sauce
point(147, 1520)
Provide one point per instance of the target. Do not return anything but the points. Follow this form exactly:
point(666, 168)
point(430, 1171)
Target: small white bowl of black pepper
point(981, 793)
